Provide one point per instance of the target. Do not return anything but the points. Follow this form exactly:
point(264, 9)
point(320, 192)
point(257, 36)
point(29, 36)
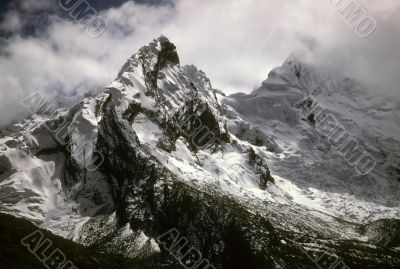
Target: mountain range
point(303, 172)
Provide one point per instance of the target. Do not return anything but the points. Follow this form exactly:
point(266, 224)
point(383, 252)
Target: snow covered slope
point(159, 148)
point(339, 141)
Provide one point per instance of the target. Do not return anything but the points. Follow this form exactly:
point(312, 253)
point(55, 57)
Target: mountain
point(161, 164)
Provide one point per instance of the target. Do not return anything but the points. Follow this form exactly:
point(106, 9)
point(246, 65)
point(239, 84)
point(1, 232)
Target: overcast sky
point(236, 42)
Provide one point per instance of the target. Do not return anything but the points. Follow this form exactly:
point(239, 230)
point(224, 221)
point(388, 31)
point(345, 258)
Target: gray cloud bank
point(235, 42)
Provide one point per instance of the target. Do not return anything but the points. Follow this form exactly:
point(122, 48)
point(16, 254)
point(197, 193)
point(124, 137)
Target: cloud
point(373, 60)
point(12, 22)
point(31, 5)
point(236, 43)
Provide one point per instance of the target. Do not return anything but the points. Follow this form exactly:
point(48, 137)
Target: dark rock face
point(5, 165)
point(384, 233)
point(151, 199)
point(261, 168)
point(168, 54)
point(200, 131)
point(217, 226)
point(6, 169)
point(129, 173)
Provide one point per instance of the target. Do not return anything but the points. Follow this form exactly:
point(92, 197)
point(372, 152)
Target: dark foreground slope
point(13, 255)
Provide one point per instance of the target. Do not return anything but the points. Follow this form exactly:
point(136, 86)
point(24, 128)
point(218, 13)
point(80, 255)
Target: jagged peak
point(162, 39)
point(153, 57)
point(162, 49)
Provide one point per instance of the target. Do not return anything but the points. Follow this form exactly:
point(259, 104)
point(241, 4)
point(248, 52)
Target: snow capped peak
point(156, 54)
point(160, 138)
point(294, 104)
point(163, 49)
